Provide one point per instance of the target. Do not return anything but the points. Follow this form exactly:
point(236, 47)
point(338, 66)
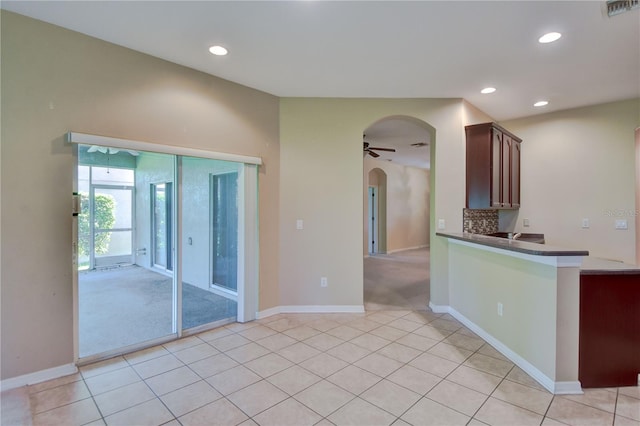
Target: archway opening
point(396, 222)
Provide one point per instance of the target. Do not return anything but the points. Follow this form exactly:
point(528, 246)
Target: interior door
point(373, 219)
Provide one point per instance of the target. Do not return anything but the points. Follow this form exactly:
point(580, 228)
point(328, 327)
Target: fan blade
point(373, 154)
point(384, 149)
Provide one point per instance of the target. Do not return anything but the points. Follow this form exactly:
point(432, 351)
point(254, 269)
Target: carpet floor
point(128, 305)
point(397, 281)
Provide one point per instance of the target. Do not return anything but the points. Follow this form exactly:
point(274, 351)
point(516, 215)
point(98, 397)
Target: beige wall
point(540, 315)
point(580, 163)
point(407, 205)
point(479, 280)
point(322, 183)
point(53, 81)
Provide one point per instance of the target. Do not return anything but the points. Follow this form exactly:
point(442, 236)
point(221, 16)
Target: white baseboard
point(439, 309)
point(408, 248)
point(311, 309)
point(38, 376)
point(268, 312)
point(329, 309)
point(547, 382)
point(568, 388)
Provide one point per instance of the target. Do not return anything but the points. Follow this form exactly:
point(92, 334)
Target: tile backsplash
point(478, 221)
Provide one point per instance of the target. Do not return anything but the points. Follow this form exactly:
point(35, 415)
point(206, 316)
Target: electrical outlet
point(500, 309)
point(323, 282)
point(621, 224)
point(440, 223)
point(585, 223)
point(299, 224)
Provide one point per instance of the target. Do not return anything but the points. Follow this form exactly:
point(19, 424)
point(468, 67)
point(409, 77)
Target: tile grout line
point(323, 332)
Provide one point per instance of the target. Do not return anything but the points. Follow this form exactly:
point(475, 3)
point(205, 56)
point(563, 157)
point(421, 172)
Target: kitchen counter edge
point(513, 245)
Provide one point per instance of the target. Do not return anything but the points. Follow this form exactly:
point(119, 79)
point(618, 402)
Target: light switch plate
point(526, 223)
point(585, 223)
point(440, 223)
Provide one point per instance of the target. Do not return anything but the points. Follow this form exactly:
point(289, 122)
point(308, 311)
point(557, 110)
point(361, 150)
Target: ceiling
point(383, 49)
point(400, 133)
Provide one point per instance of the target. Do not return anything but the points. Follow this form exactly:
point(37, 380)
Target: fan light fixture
point(109, 150)
point(370, 150)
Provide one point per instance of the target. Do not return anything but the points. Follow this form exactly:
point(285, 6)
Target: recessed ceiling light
point(218, 50)
point(549, 37)
point(488, 90)
point(541, 103)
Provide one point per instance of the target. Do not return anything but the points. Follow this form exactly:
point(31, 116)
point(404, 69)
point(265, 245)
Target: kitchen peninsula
point(522, 298)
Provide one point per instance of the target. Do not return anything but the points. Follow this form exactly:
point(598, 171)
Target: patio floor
point(123, 306)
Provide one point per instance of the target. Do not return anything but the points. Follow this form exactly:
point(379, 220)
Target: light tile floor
point(378, 368)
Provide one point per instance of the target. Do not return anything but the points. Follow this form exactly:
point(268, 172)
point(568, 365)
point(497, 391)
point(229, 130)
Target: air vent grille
point(616, 7)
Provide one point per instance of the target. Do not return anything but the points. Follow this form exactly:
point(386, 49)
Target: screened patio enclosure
point(161, 246)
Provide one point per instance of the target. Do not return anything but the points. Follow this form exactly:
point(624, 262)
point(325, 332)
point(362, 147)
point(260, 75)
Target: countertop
point(597, 266)
point(590, 265)
point(513, 245)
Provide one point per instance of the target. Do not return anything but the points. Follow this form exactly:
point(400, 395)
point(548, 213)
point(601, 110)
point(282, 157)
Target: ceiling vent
point(616, 7)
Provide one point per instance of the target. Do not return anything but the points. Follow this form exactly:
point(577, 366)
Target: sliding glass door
point(171, 247)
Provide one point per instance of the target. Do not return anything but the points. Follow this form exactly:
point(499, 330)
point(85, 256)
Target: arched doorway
point(397, 214)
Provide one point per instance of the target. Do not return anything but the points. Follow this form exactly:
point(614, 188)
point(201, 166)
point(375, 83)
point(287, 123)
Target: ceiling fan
point(371, 149)
point(109, 150)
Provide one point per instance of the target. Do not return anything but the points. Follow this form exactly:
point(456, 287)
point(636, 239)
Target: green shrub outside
point(104, 217)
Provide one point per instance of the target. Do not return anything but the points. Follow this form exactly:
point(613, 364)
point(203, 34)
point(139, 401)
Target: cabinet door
point(505, 175)
point(496, 168)
point(515, 174)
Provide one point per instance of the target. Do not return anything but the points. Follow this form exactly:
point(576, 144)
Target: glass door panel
point(209, 241)
point(224, 230)
point(122, 304)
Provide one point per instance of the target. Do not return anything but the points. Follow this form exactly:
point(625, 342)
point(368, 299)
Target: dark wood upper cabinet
point(493, 167)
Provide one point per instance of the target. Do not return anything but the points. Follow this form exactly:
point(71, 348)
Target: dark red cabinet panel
point(609, 330)
point(493, 167)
